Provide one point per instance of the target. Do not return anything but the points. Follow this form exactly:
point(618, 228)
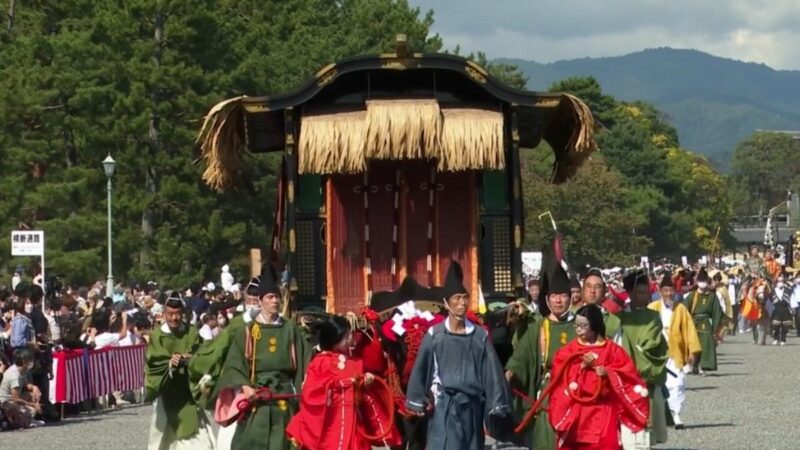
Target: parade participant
point(458, 365)
point(593, 292)
point(772, 266)
point(178, 422)
point(754, 308)
point(533, 291)
point(575, 298)
point(616, 297)
point(206, 366)
point(335, 387)
point(529, 366)
point(720, 284)
point(268, 356)
point(596, 388)
point(708, 319)
point(525, 312)
point(794, 302)
point(754, 263)
point(643, 340)
point(733, 293)
point(683, 346)
point(781, 317)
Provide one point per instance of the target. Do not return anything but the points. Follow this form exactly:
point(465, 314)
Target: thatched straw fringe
point(222, 143)
point(582, 139)
point(402, 129)
point(471, 139)
point(333, 143)
point(460, 139)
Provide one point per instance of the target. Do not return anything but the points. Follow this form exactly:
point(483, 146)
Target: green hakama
point(177, 417)
point(530, 363)
point(708, 316)
point(643, 340)
point(206, 366)
point(281, 355)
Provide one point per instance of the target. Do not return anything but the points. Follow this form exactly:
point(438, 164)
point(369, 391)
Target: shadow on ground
point(709, 425)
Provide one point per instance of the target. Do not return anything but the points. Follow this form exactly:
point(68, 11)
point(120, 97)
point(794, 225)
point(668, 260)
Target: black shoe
point(680, 426)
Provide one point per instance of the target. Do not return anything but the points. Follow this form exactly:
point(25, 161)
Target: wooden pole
point(255, 262)
point(714, 250)
point(517, 211)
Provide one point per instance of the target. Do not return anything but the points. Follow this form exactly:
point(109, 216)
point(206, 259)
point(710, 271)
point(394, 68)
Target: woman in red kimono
point(340, 407)
point(596, 388)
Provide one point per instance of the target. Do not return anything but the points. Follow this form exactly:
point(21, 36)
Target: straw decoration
point(222, 143)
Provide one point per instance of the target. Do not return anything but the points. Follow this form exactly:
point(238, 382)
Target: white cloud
point(547, 30)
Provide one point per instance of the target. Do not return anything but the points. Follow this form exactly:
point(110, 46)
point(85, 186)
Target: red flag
point(558, 252)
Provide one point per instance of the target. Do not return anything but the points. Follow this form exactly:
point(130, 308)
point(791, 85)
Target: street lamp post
point(108, 166)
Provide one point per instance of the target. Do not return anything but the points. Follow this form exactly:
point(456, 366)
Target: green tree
point(592, 211)
point(84, 78)
point(679, 198)
point(765, 167)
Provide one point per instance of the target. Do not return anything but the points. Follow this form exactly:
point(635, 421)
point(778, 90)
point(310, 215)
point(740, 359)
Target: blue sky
point(764, 31)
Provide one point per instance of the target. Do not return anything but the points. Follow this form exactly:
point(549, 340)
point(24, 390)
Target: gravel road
point(750, 403)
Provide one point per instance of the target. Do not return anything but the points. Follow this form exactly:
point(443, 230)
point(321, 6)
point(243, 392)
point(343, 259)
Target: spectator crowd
point(33, 325)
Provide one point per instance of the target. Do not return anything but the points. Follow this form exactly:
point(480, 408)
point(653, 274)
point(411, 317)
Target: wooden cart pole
point(516, 205)
point(291, 178)
point(255, 262)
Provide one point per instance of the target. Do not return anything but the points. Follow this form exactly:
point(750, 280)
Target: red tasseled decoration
point(369, 314)
point(369, 350)
point(393, 380)
point(416, 328)
point(387, 331)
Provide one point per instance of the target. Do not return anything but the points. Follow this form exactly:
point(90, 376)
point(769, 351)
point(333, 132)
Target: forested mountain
point(713, 102)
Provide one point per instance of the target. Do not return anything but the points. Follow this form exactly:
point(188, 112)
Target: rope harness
point(556, 381)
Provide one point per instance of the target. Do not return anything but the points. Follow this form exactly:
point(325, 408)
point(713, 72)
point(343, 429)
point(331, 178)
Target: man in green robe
point(270, 353)
point(593, 292)
point(643, 339)
point(707, 315)
point(206, 366)
point(178, 423)
point(528, 369)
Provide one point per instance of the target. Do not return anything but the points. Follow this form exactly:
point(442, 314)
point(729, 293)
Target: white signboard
point(644, 262)
point(27, 243)
point(531, 262)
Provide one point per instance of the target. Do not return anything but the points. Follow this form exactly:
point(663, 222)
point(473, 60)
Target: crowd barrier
point(81, 374)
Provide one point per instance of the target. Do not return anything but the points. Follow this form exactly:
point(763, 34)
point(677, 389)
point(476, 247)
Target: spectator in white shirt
point(210, 328)
point(100, 334)
point(136, 331)
point(16, 278)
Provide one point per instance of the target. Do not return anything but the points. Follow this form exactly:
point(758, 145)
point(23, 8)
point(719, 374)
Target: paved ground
point(750, 403)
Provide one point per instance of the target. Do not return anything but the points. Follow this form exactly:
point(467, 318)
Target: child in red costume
point(596, 388)
point(339, 405)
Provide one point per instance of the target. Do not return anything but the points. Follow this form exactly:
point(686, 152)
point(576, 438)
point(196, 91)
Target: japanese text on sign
point(27, 243)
